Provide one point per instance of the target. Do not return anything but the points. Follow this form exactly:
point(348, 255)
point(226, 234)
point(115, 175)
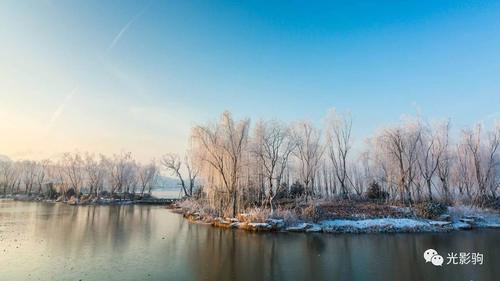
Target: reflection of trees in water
point(219, 254)
point(111, 236)
point(94, 228)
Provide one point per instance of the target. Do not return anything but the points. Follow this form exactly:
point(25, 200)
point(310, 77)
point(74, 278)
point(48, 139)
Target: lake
point(43, 241)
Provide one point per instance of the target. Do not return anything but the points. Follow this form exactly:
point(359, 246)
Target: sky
point(111, 76)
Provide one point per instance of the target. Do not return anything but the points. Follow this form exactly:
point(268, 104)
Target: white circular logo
point(431, 255)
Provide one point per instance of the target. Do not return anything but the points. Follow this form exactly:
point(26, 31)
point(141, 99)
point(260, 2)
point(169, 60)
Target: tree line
point(74, 174)
point(231, 165)
point(241, 166)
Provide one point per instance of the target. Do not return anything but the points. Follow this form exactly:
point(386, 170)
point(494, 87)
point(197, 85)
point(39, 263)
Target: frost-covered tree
point(483, 153)
point(309, 152)
point(221, 147)
point(339, 145)
point(273, 145)
point(148, 176)
point(95, 170)
point(401, 143)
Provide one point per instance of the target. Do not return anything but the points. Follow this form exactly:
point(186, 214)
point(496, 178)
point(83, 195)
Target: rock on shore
point(379, 225)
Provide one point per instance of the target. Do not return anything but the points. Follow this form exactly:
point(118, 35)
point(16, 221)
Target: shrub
point(256, 215)
point(282, 192)
point(313, 213)
point(374, 192)
point(288, 215)
point(51, 193)
point(70, 193)
point(430, 210)
point(488, 201)
point(296, 190)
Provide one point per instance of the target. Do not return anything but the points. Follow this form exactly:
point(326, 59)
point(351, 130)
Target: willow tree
point(221, 146)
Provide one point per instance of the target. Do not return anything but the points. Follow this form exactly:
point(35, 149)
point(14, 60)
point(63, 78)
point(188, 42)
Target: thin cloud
point(126, 27)
point(61, 107)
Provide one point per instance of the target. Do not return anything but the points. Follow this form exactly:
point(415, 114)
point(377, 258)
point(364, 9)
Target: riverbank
point(365, 218)
point(92, 200)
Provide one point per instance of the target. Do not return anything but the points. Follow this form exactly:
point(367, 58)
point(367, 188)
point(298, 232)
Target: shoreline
point(452, 221)
point(102, 201)
point(449, 223)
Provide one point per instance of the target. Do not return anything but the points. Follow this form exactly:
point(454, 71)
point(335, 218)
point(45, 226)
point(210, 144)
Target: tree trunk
point(429, 188)
point(234, 203)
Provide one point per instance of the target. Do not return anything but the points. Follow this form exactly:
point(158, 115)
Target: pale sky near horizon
point(107, 76)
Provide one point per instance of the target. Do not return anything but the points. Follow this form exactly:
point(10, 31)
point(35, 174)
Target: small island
point(409, 178)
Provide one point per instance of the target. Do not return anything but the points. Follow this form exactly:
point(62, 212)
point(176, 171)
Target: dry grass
point(254, 215)
point(300, 210)
point(359, 209)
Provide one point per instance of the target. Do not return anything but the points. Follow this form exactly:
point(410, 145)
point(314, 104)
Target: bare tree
point(445, 158)
point(119, 171)
point(221, 146)
point(147, 176)
point(29, 175)
point(432, 148)
point(41, 173)
point(274, 145)
point(131, 177)
point(8, 175)
point(309, 152)
point(173, 164)
point(483, 157)
point(95, 171)
point(463, 174)
point(339, 145)
point(401, 144)
point(73, 171)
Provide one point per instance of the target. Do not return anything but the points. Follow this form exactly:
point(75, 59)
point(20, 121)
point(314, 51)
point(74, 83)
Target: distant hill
point(168, 183)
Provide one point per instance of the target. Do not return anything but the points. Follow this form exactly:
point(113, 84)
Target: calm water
point(57, 242)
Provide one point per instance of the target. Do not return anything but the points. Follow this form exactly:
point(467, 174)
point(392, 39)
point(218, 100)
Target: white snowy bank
point(457, 218)
point(378, 225)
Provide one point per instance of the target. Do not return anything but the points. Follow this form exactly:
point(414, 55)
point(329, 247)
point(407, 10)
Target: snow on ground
point(479, 217)
point(458, 225)
point(298, 228)
point(371, 223)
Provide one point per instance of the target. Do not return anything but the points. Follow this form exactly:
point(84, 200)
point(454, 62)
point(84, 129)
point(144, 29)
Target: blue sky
point(135, 75)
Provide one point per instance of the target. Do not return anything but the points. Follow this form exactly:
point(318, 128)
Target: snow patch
point(362, 224)
point(458, 225)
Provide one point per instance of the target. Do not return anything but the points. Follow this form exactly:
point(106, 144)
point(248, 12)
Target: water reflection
point(218, 254)
point(60, 242)
point(91, 227)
